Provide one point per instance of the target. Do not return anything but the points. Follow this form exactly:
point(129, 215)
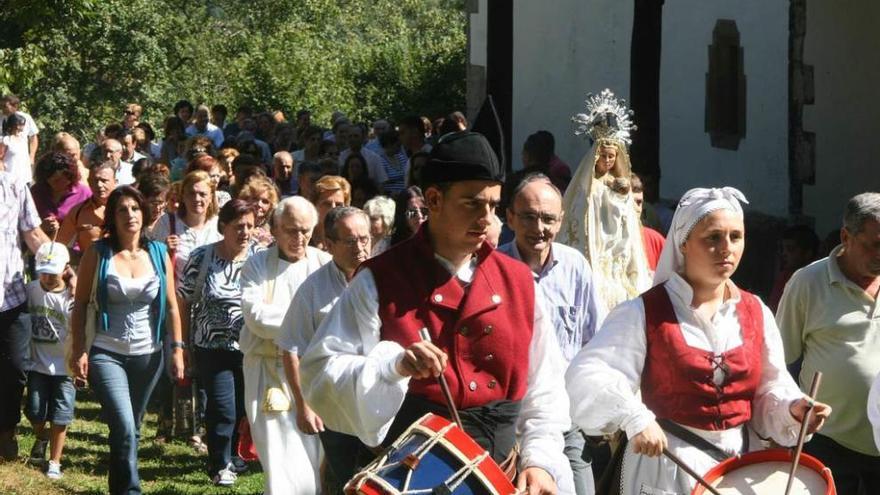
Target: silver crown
point(607, 118)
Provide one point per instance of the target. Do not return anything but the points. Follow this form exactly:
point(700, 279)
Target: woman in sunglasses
point(410, 212)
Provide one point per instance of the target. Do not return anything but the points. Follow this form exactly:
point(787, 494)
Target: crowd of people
point(268, 286)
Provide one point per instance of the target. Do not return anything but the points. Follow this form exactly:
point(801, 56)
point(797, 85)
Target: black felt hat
point(462, 156)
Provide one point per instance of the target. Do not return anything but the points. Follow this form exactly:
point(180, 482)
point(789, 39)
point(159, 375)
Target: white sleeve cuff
point(387, 354)
point(637, 422)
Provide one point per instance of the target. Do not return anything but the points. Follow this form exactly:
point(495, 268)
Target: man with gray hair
point(830, 322)
point(112, 151)
point(269, 281)
point(202, 126)
point(347, 237)
point(564, 276)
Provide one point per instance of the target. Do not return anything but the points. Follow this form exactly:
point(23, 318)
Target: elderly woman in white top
point(706, 356)
point(381, 212)
point(269, 281)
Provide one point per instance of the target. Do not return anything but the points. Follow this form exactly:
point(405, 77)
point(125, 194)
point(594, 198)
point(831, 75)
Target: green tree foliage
point(75, 63)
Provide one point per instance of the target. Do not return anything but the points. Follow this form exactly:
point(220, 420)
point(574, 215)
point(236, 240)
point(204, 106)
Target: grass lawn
point(169, 469)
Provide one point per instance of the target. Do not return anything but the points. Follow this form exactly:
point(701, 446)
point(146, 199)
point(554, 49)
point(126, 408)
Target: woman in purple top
point(57, 189)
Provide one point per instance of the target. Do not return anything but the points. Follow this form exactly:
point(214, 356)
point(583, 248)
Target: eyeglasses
point(129, 112)
point(546, 219)
point(416, 212)
point(354, 241)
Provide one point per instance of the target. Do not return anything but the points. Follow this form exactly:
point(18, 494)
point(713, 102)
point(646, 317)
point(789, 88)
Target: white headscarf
point(693, 207)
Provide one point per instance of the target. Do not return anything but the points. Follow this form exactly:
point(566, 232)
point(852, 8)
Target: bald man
point(535, 216)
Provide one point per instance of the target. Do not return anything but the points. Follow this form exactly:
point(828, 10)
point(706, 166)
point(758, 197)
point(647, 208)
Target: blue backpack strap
point(104, 255)
point(158, 251)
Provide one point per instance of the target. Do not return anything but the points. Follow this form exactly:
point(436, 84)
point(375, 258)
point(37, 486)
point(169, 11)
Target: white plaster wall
point(842, 44)
point(760, 166)
point(479, 34)
point(563, 50)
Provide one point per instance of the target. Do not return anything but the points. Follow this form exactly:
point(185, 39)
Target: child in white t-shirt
point(51, 392)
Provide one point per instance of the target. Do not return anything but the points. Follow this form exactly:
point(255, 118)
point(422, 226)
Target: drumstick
point(444, 386)
point(802, 435)
point(684, 467)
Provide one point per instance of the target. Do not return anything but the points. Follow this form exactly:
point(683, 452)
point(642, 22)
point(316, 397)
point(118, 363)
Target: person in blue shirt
point(564, 276)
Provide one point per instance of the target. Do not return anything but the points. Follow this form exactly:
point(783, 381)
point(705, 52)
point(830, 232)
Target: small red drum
point(766, 472)
point(432, 457)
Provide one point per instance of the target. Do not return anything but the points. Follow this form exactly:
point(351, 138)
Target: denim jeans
point(14, 350)
point(50, 398)
point(123, 385)
point(580, 468)
point(221, 374)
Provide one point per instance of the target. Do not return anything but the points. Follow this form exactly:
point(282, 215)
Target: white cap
point(52, 258)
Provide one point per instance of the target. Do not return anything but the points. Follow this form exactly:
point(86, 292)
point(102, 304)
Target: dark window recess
point(726, 88)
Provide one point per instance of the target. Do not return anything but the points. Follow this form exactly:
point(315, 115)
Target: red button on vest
point(492, 317)
point(677, 380)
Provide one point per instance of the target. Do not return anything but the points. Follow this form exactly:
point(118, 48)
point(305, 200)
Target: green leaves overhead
point(75, 63)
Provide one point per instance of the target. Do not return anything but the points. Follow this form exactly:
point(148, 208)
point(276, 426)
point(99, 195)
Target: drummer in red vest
point(369, 373)
point(706, 356)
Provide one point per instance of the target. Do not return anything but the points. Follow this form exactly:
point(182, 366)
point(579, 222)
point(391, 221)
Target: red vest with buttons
point(486, 328)
point(678, 380)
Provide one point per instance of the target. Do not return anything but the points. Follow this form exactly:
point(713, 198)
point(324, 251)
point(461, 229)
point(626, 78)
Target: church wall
point(759, 167)
point(562, 51)
point(842, 46)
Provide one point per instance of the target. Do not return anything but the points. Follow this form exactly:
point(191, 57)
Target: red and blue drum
point(766, 472)
point(433, 457)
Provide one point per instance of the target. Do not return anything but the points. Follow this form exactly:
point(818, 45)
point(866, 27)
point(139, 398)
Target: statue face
point(605, 160)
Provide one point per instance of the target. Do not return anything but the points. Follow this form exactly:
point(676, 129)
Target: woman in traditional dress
point(600, 215)
point(706, 356)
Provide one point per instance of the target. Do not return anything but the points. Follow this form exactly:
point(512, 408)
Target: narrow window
point(726, 87)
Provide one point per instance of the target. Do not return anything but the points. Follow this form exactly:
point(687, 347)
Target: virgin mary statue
point(600, 217)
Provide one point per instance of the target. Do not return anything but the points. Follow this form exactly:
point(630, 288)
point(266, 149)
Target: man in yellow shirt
point(830, 320)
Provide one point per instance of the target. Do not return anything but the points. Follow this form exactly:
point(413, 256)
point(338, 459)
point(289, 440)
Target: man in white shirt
point(203, 127)
point(347, 237)
point(113, 152)
point(9, 104)
point(130, 153)
point(369, 373)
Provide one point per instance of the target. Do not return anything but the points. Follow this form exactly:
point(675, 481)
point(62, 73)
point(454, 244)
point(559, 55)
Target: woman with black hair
point(119, 348)
point(410, 212)
point(57, 189)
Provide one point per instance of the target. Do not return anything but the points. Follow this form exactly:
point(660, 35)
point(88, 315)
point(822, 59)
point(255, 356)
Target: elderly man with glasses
point(347, 236)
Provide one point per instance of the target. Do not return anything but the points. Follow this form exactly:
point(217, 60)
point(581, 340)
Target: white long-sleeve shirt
point(312, 303)
point(350, 379)
point(604, 378)
point(263, 317)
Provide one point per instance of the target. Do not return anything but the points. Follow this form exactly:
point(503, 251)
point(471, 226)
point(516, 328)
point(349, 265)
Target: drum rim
point(768, 455)
point(456, 442)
